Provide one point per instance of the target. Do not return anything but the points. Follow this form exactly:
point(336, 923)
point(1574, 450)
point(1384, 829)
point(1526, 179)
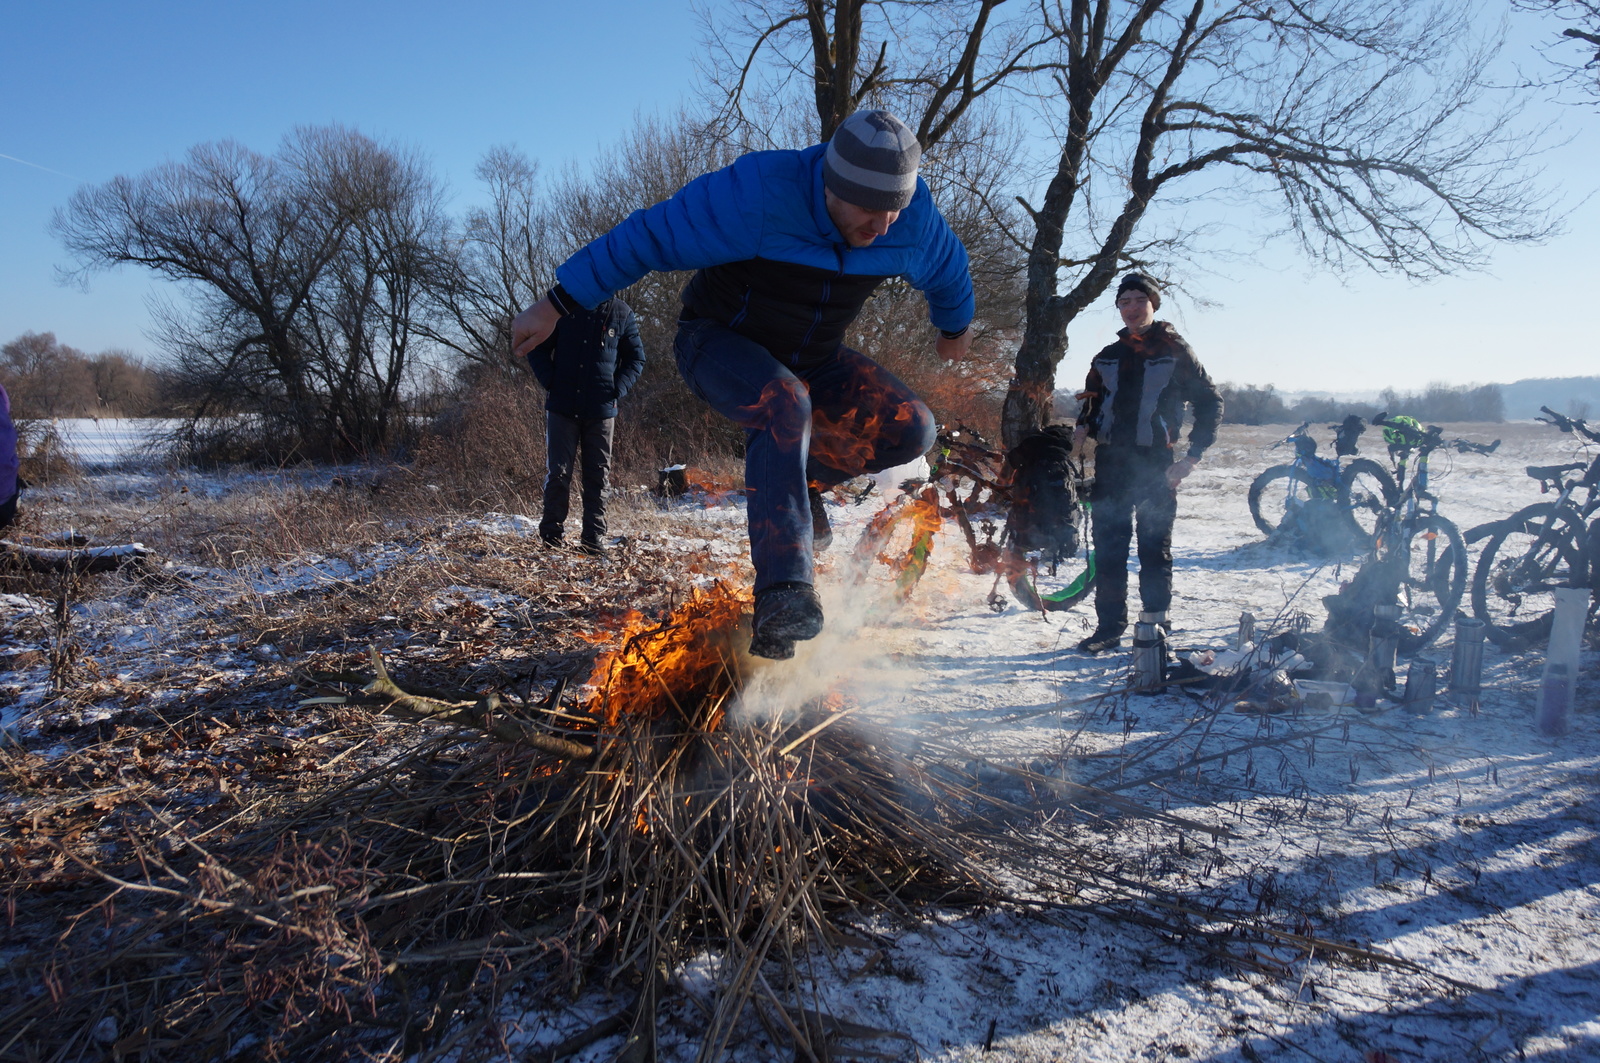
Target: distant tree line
point(330, 298)
point(1250, 404)
point(46, 378)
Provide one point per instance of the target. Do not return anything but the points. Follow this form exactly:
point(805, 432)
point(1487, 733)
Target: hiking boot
point(590, 548)
point(821, 530)
point(550, 538)
point(785, 613)
point(1104, 638)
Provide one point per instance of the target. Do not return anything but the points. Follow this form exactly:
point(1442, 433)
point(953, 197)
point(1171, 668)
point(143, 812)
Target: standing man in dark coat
point(1133, 403)
point(787, 247)
point(586, 365)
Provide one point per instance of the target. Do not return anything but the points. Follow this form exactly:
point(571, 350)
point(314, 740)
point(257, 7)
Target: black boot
point(785, 613)
point(821, 530)
point(1104, 638)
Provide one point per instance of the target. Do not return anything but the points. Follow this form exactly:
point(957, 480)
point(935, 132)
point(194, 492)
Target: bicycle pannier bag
point(1044, 506)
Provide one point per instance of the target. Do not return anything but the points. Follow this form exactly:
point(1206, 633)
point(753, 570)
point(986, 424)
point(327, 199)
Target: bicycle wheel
point(1365, 490)
point(1274, 493)
point(1435, 578)
point(1535, 551)
point(900, 536)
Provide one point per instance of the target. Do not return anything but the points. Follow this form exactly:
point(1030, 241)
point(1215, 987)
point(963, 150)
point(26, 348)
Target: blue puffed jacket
point(770, 263)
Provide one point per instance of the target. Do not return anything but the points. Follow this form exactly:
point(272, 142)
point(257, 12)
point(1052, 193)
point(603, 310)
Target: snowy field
point(1457, 841)
point(101, 443)
point(1457, 845)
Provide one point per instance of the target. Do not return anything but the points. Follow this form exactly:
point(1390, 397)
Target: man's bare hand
point(532, 327)
point(1179, 469)
point(955, 350)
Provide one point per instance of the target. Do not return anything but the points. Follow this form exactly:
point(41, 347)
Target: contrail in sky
point(36, 166)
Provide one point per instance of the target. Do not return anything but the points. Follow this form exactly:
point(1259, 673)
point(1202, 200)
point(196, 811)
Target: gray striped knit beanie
point(871, 161)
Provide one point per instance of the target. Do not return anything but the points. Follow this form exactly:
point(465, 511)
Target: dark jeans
point(1131, 482)
point(563, 438)
point(823, 424)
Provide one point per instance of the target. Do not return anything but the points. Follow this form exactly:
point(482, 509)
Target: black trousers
point(1131, 483)
point(565, 438)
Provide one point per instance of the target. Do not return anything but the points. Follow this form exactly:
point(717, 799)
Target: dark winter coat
point(1137, 387)
point(772, 265)
point(590, 361)
point(8, 448)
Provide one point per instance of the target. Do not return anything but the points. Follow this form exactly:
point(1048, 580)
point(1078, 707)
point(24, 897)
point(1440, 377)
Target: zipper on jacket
point(822, 302)
point(744, 308)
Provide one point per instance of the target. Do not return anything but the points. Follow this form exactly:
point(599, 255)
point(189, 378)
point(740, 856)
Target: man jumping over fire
point(788, 246)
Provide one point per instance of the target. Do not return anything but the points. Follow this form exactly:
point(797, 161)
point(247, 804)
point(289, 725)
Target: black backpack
point(1044, 495)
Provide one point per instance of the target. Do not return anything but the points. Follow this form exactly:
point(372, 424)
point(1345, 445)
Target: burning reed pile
point(530, 850)
point(603, 842)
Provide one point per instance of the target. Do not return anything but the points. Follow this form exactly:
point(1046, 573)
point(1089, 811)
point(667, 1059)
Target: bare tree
point(1583, 38)
point(503, 259)
point(46, 378)
point(295, 267)
point(933, 59)
point(1363, 129)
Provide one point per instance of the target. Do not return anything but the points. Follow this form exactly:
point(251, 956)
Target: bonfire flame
point(685, 662)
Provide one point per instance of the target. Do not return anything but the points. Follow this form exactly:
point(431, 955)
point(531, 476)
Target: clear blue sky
point(89, 90)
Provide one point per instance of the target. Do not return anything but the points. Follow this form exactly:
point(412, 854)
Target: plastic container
point(1319, 695)
point(1566, 629)
point(1553, 716)
point(1247, 631)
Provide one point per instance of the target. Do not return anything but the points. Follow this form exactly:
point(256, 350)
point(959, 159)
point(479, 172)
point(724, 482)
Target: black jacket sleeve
point(1201, 393)
point(630, 356)
point(1091, 398)
point(542, 360)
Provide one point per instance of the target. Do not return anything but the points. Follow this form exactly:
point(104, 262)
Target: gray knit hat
point(871, 161)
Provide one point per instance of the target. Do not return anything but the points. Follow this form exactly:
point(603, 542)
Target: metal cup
point(1422, 683)
point(1466, 661)
point(1148, 659)
point(1382, 644)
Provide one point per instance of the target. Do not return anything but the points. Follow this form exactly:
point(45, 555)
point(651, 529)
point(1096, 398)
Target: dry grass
point(277, 860)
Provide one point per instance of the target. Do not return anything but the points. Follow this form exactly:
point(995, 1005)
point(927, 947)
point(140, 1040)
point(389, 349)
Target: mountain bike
point(1540, 548)
point(1425, 551)
point(971, 484)
point(1288, 492)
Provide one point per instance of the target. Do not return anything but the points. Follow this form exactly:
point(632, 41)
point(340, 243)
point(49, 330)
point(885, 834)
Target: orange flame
point(685, 662)
point(711, 491)
point(848, 442)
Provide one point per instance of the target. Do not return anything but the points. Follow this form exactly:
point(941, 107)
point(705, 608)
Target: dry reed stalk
point(384, 915)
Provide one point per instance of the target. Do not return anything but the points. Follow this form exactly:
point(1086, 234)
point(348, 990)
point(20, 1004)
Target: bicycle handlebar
point(1569, 424)
point(1432, 438)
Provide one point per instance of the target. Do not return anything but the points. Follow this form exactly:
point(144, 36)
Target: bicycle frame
point(1319, 474)
point(954, 459)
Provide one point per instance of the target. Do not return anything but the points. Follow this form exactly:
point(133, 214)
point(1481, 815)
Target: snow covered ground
point(1456, 841)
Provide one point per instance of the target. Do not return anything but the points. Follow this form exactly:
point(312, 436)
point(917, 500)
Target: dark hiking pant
point(1131, 483)
point(564, 438)
point(823, 425)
